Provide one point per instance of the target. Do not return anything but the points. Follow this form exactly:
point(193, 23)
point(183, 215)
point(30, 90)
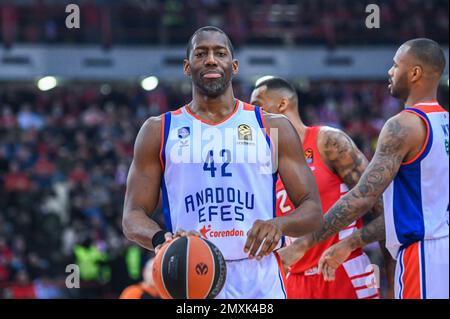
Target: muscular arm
point(398, 139)
point(344, 158)
point(347, 161)
point(143, 184)
point(300, 186)
point(298, 180)
point(373, 231)
point(335, 255)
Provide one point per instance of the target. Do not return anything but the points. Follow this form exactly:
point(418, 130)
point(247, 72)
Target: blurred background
point(73, 100)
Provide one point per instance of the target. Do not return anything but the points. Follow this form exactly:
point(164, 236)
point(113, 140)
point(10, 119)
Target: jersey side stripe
point(428, 141)
point(407, 205)
point(259, 118)
point(423, 271)
point(165, 197)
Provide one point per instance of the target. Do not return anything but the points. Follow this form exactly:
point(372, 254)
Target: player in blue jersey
point(410, 170)
point(210, 187)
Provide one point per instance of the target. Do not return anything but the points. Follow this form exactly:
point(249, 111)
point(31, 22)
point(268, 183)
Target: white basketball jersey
point(416, 202)
point(218, 178)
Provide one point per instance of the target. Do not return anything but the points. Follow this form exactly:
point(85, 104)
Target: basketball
point(189, 268)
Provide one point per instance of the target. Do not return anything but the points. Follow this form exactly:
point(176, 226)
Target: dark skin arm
point(344, 159)
point(300, 186)
point(143, 183)
point(348, 162)
point(335, 255)
point(400, 140)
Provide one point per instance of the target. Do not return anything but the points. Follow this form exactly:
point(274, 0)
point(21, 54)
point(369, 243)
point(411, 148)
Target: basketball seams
point(213, 270)
point(220, 277)
point(207, 279)
point(188, 247)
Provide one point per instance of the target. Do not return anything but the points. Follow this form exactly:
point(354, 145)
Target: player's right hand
point(263, 236)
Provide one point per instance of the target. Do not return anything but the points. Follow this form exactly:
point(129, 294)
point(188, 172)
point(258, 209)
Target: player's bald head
point(208, 29)
point(275, 95)
point(427, 53)
point(280, 86)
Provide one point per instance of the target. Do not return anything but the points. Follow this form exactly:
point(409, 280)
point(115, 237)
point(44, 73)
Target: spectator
point(28, 119)
point(264, 22)
point(16, 181)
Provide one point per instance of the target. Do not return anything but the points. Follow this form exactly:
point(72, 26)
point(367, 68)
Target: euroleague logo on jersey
point(208, 232)
point(245, 132)
point(309, 155)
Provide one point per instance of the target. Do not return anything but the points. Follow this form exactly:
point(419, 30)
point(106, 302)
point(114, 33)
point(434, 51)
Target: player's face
point(262, 97)
point(398, 75)
point(210, 63)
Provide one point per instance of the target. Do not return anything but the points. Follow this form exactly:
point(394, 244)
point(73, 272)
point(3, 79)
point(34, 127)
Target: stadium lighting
point(47, 83)
point(149, 83)
point(263, 78)
point(105, 89)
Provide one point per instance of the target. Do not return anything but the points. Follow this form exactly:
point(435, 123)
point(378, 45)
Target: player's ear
point(235, 66)
point(186, 67)
point(283, 105)
point(416, 73)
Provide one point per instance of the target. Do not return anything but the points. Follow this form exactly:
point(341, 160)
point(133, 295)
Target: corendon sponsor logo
point(208, 232)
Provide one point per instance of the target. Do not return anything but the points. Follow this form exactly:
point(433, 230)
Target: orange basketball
point(189, 268)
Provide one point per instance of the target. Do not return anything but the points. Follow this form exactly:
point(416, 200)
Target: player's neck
point(416, 98)
point(213, 108)
point(298, 124)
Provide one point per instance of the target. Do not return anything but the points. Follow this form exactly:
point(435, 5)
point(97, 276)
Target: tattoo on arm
point(374, 212)
point(374, 231)
point(343, 157)
point(376, 178)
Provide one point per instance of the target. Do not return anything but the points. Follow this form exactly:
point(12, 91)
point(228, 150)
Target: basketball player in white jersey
point(411, 167)
point(337, 164)
point(213, 185)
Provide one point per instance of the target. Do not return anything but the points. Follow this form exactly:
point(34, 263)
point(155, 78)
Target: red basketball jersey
point(331, 188)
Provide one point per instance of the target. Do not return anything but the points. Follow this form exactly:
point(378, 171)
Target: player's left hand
point(179, 233)
point(332, 258)
point(265, 232)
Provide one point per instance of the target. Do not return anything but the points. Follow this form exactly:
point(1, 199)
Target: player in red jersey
point(337, 165)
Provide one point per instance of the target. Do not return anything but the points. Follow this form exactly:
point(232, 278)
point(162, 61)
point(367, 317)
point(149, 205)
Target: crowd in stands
point(64, 158)
point(290, 22)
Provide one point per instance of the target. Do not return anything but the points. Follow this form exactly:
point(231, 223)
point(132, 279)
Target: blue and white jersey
point(416, 202)
point(217, 178)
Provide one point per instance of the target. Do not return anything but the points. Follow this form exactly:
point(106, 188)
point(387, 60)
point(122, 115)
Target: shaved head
point(428, 53)
point(278, 84)
point(208, 29)
point(275, 95)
